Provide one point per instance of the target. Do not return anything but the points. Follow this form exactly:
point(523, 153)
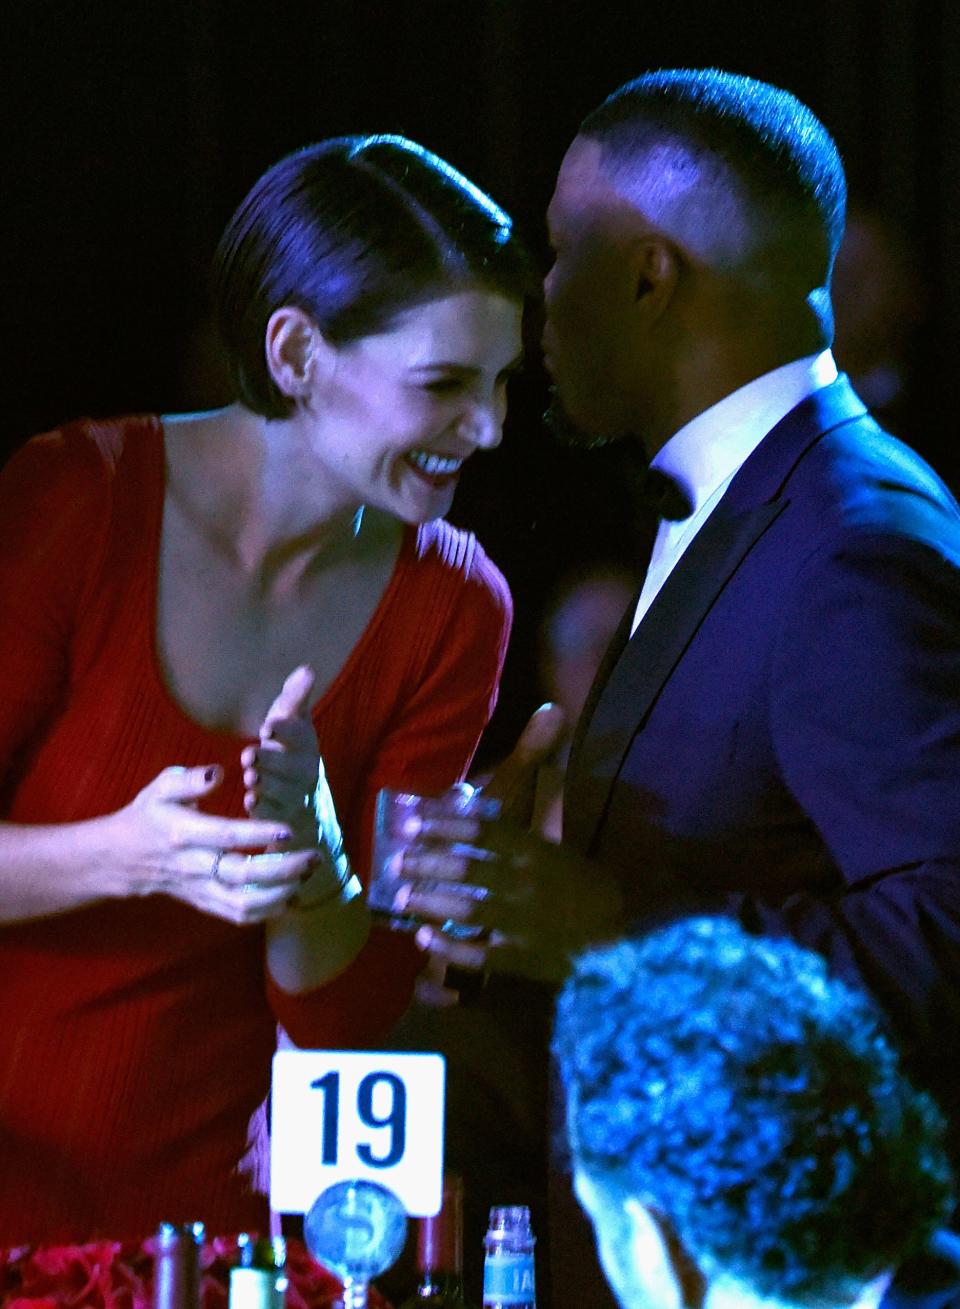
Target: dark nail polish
point(210, 774)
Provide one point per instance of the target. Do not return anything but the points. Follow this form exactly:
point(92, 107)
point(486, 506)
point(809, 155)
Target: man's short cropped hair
point(780, 154)
point(734, 1087)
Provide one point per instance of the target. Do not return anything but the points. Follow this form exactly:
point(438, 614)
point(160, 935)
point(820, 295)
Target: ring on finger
point(456, 931)
point(215, 868)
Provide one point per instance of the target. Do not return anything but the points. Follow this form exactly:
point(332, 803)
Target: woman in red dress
point(195, 610)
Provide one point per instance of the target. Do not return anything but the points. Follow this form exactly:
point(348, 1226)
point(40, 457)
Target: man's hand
point(514, 784)
point(532, 903)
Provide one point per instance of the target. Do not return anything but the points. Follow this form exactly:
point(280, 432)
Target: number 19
point(395, 1118)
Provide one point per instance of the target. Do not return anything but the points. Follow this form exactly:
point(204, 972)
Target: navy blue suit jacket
point(780, 739)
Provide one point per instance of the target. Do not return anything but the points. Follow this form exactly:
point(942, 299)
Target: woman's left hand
point(285, 781)
point(280, 772)
point(327, 922)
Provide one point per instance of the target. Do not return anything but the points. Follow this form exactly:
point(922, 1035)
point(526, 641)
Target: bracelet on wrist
point(346, 889)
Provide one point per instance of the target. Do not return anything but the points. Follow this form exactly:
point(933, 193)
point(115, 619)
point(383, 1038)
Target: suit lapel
point(635, 669)
point(605, 671)
point(649, 658)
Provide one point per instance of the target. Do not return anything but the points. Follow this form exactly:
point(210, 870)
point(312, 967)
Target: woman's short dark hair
point(354, 231)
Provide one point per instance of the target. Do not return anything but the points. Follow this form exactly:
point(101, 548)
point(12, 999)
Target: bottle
point(258, 1280)
point(509, 1281)
point(176, 1266)
point(440, 1254)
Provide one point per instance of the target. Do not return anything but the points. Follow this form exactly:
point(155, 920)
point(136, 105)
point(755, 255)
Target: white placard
point(341, 1114)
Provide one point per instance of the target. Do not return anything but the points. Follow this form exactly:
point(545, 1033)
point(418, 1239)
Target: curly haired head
point(733, 1086)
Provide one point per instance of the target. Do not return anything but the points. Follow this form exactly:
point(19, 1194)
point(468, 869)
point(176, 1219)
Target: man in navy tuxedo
point(775, 732)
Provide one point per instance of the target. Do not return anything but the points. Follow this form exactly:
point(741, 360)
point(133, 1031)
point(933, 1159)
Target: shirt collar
point(708, 450)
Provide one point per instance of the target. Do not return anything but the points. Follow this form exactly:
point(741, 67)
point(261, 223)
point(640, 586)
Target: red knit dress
point(137, 1035)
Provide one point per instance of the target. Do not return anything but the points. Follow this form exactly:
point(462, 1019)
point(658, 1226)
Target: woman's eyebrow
point(452, 365)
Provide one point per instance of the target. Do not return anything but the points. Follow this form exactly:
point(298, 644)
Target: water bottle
point(509, 1281)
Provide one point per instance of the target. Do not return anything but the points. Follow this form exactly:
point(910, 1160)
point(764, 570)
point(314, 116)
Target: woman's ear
point(293, 345)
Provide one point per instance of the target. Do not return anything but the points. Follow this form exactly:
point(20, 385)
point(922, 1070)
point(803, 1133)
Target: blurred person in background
point(742, 1133)
point(578, 624)
point(880, 306)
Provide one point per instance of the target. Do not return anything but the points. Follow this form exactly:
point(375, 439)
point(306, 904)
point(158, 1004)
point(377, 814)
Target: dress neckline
point(153, 527)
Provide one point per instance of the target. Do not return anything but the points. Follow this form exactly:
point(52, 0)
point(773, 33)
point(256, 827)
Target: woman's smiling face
point(398, 412)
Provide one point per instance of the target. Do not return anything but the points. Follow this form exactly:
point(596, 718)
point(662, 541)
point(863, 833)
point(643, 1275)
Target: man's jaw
point(569, 432)
point(565, 429)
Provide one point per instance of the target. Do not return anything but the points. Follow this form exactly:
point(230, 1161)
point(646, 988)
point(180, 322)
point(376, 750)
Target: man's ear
point(654, 272)
point(657, 1246)
point(294, 348)
point(873, 1292)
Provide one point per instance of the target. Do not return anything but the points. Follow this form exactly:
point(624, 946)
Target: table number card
point(338, 1115)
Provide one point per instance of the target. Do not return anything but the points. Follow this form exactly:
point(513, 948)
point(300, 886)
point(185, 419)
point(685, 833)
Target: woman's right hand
point(161, 843)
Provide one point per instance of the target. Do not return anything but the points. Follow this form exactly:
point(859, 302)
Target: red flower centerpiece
point(119, 1275)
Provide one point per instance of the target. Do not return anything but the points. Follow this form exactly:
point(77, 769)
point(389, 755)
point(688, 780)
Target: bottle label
point(508, 1280)
point(257, 1288)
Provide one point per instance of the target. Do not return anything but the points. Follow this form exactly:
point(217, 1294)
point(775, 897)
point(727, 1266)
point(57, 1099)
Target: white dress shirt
point(706, 454)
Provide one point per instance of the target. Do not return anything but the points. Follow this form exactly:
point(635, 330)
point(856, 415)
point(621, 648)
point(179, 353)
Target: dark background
point(132, 129)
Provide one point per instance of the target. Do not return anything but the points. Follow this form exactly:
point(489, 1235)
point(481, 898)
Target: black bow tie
point(664, 496)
